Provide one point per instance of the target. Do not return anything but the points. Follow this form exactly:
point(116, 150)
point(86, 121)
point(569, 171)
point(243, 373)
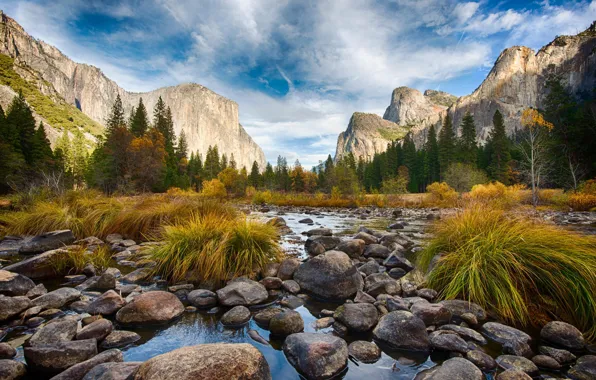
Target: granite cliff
point(206, 117)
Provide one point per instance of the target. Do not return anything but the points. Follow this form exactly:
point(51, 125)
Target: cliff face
point(516, 81)
point(206, 117)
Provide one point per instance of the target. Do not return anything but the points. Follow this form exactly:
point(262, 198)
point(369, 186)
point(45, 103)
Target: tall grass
point(522, 269)
point(211, 247)
point(75, 259)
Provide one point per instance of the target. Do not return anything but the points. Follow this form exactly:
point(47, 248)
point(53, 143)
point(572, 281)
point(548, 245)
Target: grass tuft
point(75, 259)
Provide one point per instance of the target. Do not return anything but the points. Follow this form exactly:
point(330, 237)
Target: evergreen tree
point(255, 176)
point(282, 174)
point(411, 162)
point(431, 161)
point(182, 147)
point(116, 118)
point(140, 121)
point(468, 148)
point(224, 162)
point(269, 177)
point(232, 162)
point(499, 166)
point(79, 158)
point(22, 127)
point(446, 144)
point(211, 167)
point(42, 155)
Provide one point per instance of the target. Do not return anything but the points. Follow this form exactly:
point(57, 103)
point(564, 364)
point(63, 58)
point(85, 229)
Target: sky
point(298, 69)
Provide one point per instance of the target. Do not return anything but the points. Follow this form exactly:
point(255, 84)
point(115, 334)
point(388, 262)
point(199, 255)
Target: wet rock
point(7, 351)
point(354, 248)
point(381, 283)
point(330, 276)
point(106, 304)
point(313, 244)
point(513, 374)
point(561, 356)
point(98, 329)
point(264, 317)
point(323, 323)
point(357, 317)
point(56, 357)
point(546, 362)
point(51, 313)
point(292, 302)
point(137, 276)
point(254, 335)
point(37, 267)
point(242, 292)
point(481, 360)
point(433, 314)
point(12, 306)
point(291, 286)
point(287, 268)
point(460, 307)
point(396, 261)
point(202, 298)
point(14, 284)
point(236, 316)
point(316, 356)
point(12, 369)
point(402, 330)
point(362, 297)
point(79, 306)
point(57, 298)
point(397, 303)
point(517, 363)
point(306, 221)
point(454, 368)
point(47, 242)
point(106, 281)
point(584, 368)
point(370, 267)
point(427, 294)
point(286, 323)
point(151, 308)
point(271, 270)
point(563, 335)
point(119, 338)
point(78, 371)
point(518, 348)
point(36, 291)
point(271, 282)
point(365, 352)
point(113, 371)
point(319, 232)
point(466, 333)
point(366, 237)
point(449, 342)
point(207, 361)
point(504, 334)
point(58, 330)
point(377, 250)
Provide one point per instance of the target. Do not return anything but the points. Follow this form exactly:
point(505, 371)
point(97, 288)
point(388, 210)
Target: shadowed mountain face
point(206, 117)
point(516, 81)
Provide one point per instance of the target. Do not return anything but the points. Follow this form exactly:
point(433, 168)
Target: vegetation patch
point(75, 260)
point(392, 134)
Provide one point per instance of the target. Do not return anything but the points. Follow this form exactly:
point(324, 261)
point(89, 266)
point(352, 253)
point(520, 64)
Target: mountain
point(84, 91)
point(516, 81)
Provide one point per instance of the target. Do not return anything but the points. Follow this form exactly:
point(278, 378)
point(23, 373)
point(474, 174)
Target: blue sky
point(298, 68)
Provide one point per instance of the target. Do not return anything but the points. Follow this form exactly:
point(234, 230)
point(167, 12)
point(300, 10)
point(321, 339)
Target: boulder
point(202, 298)
point(14, 284)
point(466, 333)
point(153, 307)
point(47, 242)
point(119, 338)
point(362, 297)
point(402, 330)
point(449, 342)
point(56, 357)
point(357, 317)
point(287, 268)
point(481, 360)
point(242, 291)
point(106, 281)
point(377, 250)
point(584, 368)
point(291, 286)
point(271, 283)
point(561, 356)
point(381, 283)
point(370, 267)
point(236, 316)
point(546, 362)
point(513, 374)
point(504, 334)
point(366, 237)
point(207, 361)
point(7, 351)
point(316, 356)
point(286, 323)
point(58, 330)
point(57, 298)
point(12, 369)
point(80, 370)
point(365, 352)
point(517, 363)
point(459, 307)
point(354, 248)
point(98, 329)
point(317, 245)
point(329, 276)
point(37, 267)
point(454, 368)
point(563, 335)
point(433, 314)
point(38, 290)
point(113, 371)
point(264, 317)
point(12, 306)
point(319, 232)
point(106, 304)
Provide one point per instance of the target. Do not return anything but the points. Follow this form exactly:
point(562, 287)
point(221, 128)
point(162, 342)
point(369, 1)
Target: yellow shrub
point(588, 187)
point(250, 191)
point(262, 197)
point(498, 194)
point(582, 201)
point(214, 189)
point(441, 194)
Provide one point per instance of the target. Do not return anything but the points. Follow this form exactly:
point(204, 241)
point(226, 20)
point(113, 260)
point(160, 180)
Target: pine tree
point(79, 157)
point(21, 126)
point(140, 121)
point(255, 176)
point(116, 118)
point(269, 177)
point(499, 166)
point(182, 147)
point(224, 162)
point(42, 155)
point(468, 148)
point(232, 162)
point(211, 166)
point(411, 162)
point(446, 144)
point(282, 174)
point(431, 161)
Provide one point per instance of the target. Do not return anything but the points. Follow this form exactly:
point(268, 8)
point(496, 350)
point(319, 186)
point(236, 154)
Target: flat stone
point(449, 342)
point(37, 267)
point(119, 338)
point(504, 334)
point(14, 284)
point(546, 362)
point(57, 298)
point(466, 333)
point(47, 242)
point(56, 357)
point(78, 371)
point(517, 363)
point(12, 306)
point(113, 371)
point(242, 292)
point(460, 307)
point(563, 335)
point(58, 330)
point(561, 356)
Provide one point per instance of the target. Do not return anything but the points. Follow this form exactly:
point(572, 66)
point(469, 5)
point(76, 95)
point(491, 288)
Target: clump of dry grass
point(75, 259)
point(441, 194)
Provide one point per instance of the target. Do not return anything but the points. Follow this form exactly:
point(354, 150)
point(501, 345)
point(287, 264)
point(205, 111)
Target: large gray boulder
point(563, 335)
point(113, 371)
point(584, 368)
point(80, 370)
point(453, 369)
point(504, 334)
point(330, 276)
point(207, 361)
point(37, 267)
point(57, 298)
point(316, 356)
point(202, 298)
point(58, 330)
point(155, 307)
point(236, 316)
point(51, 359)
point(402, 330)
point(518, 363)
point(242, 291)
point(98, 329)
point(357, 317)
point(12, 306)
point(381, 283)
point(354, 248)
point(47, 242)
point(433, 314)
point(286, 323)
point(460, 307)
point(106, 304)
point(14, 284)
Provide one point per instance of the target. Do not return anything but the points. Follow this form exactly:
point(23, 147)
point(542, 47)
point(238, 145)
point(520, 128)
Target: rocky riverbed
point(346, 302)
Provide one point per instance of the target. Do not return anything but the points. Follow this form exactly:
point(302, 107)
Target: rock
point(460, 307)
point(292, 302)
point(271, 270)
point(7, 351)
point(242, 292)
point(397, 273)
point(37, 291)
point(56, 357)
point(518, 348)
point(113, 371)
point(207, 361)
point(504, 334)
point(51, 313)
point(80, 370)
point(366, 237)
point(563, 335)
point(584, 368)
point(362, 297)
point(202, 298)
point(546, 362)
point(330, 276)
point(98, 329)
point(402, 330)
point(58, 330)
point(306, 221)
point(323, 323)
point(466, 333)
point(316, 356)
point(287, 268)
point(317, 245)
point(517, 363)
point(354, 248)
point(79, 306)
point(12, 306)
point(89, 270)
point(449, 342)
point(376, 250)
point(153, 307)
point(236, 316)
point(427, 294)
point(264, 317)
point(291, 286)
point(137, 276)
point(365, 352)
point(397, 303)
point(271, 283)
point(561, 356)
point(481, 360)
point(455, 368)
point(106, 281)
point(114, 238)
point(357, 317)
point(37, 267)
point(469, 318)
point(286, 323)
point(119, 338)
point(381, 283)
point(319, 232)
point(14, 284)
point(106, 304)
point(513, 374)
point(47, 242)
point(433, 314)
point(12, 369)
point(396, 261)
point(57, 298)
point(370, 267)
